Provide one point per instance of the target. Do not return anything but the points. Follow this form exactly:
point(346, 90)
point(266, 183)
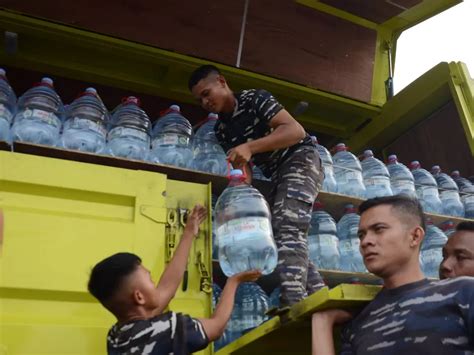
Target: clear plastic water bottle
point(234, 329)
point(40, 111)
point(215, 248)
point(323, 244)
point(257, 174)
point(243, 229)
point(426, 189)
point(7, 107)
point(329, 183)
point(208, 153)
point(347, 228)
point(448, 193)
point(401, 179)
point(275, 297)
point(171, 142)
point(431, 250)
point(85, 126)
point(376, 176)
point(448, 228)
point(129, 136)
point(253, 304)
point(348, 172)
point(466, 189)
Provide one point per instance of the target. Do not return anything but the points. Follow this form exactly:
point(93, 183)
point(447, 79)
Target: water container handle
point(229, 168)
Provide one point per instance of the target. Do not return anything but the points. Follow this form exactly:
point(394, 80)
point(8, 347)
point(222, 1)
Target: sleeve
point(465, 303)
point(196, 337)
point(266, 106)
point(346, 346)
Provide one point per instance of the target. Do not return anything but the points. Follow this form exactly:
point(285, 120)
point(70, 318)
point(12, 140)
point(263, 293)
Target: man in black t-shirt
point(125, 288)
point(253, 127)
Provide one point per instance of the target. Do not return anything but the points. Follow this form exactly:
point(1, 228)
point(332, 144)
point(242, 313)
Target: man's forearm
point(282, 137)
point(322, 337)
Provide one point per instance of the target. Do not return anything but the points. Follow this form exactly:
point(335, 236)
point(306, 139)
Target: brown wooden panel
point(297, 43)
point(206, 28)
point(439, 140)
point(21, 80)
point(377, 11)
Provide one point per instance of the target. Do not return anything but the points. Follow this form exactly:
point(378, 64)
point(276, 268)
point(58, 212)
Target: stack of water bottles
point(7, 107)
point(431, 250)
point(466, 189)
point(208, 155)
point(329, 182)
point(347, 233)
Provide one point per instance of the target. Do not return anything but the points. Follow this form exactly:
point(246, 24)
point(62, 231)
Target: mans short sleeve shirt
point(250, 120)
point(424, 317)
point(168, 333)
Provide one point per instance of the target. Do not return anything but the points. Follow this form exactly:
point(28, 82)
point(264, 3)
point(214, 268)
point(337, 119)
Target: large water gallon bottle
point(171, 142)
point(208, 155)
point(85, 126)
point(329, 183)
point(39, 115)
point(466, 189)
point(216, 295)
point(347, 228)
point(215, 248)
point(243, 229)
point(401, 179)
point(426, 188)
point(348, 172)
point(448, 193)
point(323, 245)
point(129, 136)
point(447, 227)
point(253, 303)
point(7, 107)
point(257, 174)
point(376, 176)
point(431, 250)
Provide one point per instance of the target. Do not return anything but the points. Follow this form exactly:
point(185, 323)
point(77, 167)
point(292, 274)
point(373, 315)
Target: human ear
point(416, 236)
point(138, 297)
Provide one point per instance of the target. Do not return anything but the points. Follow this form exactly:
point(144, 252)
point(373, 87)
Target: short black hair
point(107, 275)
point(467, 226)
point(200, 73)
point(402, 203)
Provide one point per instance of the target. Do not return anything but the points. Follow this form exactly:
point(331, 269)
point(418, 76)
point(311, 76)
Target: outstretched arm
point(173, 274)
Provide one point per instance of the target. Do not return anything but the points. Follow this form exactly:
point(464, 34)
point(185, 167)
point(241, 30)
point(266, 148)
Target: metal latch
point(206, 284)
point(171, 229)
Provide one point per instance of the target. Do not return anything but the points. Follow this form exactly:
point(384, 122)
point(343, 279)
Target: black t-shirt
point(250, 121)
point(168, 333)
point(424, 317)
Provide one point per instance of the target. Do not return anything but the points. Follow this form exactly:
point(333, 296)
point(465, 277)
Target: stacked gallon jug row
point(438, 192)
point(39, 117)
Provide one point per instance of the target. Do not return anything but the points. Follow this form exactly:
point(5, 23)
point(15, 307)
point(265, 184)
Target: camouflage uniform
point(297, 178)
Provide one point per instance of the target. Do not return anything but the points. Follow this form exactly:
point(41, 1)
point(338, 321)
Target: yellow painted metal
point(291, 332)
point(69, 52)
point(416, 102)
point(60, 218)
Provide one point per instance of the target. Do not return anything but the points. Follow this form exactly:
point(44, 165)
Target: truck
point(61, 211)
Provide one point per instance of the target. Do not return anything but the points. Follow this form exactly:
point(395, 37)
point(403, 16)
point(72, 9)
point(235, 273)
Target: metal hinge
point(172, 221)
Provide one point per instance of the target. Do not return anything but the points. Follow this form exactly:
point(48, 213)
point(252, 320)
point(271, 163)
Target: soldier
point(253, 127)
point(458, 253)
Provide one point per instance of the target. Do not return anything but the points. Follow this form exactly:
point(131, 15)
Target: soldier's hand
point(246, 276)
point(239, 155)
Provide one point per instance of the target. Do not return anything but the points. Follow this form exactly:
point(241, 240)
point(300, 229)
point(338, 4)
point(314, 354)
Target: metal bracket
point(205, 282)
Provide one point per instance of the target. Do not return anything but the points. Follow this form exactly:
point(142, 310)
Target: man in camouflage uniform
point(254, 128)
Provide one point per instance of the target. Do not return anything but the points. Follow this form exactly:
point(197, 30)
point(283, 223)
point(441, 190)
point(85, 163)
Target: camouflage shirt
point(424, 317)
point(168, 333)
point(250, 120)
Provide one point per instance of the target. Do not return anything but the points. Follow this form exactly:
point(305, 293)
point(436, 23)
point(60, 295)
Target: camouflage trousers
point(296, 185)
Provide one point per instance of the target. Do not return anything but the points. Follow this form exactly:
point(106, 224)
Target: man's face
point(211, 92)
point(458, 256)
point(385, 241)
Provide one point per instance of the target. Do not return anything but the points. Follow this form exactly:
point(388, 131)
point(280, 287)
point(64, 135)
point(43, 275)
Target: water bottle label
point(44, 116)
point(81, 123)
point(5, 113)
point(239, 229)
point(402, 185)
point(429, 192)
point(170, 139)
point(349, 245)
point(449, 195)
point(468, 199)
point(375, 181)
point(353, 231)
point(119, 132)
point(328, 239)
